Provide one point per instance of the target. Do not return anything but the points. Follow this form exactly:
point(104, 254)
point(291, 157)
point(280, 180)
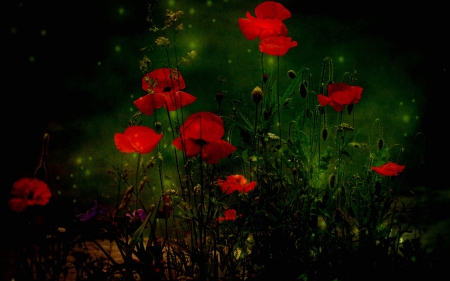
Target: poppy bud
point(257, 94)
point(158, 126)
point(332, 181)
point(324, 133)
point(291, 74)
point(219, 97)
point(265, 76)
point(303, 90)
point(349, 108)
point(380, 143)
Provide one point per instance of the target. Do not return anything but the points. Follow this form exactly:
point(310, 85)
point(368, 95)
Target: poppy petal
point(272, 10)
point(139, 139)
point(190, 147)
point(202, 125)
point(161, 79)
point(18, 205)
point(249, 28)
point(176, 100)
point(214, 151)
point(148, 103)
point(276, 46)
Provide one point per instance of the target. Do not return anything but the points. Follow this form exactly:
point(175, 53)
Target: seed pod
point(265, 76)
point(257, 95)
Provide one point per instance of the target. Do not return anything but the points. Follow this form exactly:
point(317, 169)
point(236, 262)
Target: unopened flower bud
point(257, 94)
point(265, 76)
point(324, 133)
point(303, 90)
point(292, 74)
point(380, 143)
point(219, 97)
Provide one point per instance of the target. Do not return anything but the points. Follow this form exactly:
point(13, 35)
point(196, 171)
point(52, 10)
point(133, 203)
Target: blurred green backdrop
point(73, 71)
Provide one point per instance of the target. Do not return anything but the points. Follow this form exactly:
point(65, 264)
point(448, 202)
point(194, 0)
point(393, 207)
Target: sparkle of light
point(191, 11)
point(99, 63)
point(117, 48)
point(209, 3)
point(87, 172)
point(406, 118)
point(121, 11)
point(417, 117)
point(79, 160)
point(401, 103)
point(74, 186)
point(43, 32)
point(32, 59)
point(230, 61)
point(413, 100)
point(341, 59)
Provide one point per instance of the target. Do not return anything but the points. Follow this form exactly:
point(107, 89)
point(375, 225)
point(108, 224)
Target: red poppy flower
point(230, 215)
point(29, 192)
point(388, 169)
point(268, 21)
point(202, 134)
point(276, 46)
point(340, 94)
point(236, 182)
point(164, 87)
point(139, 139)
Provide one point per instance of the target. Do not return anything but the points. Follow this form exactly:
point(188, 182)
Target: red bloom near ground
point(164, 87)
point(389, 169)
point(138, 139)
point(202, 133)
point(230, 215)
point(267, 23)
point(29, 192)
point(339, 95)
point(236, 182)
point(276, 46)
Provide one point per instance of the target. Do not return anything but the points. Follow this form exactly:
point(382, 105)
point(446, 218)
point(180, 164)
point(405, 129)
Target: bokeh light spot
point(87, 173)
point(209, 3)
point(249, 50)
point(230, 61)
point(74, 200)
point(43, 32)
point(131, 96)
point(341, 59)
point(171, 3)
point(192, 45)
point(413, 100)
point(32, 59)
point(59, 192)
point(213, 20)
point(191, 11)
point(401, 103)
point(71, 175)
point(271, 61)
point(121, 11)
point(417, 117)
point(99, 63)
point(74, 186)
point(79, 160)
point(406, 118)
point(117, 48)
point(13, 30)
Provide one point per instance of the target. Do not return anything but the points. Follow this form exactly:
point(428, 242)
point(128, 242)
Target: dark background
point(66, 76)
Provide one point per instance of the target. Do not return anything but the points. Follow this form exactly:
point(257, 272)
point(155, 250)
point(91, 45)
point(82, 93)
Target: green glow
point(99, 63)
point(87, 173)
point(31, 59)
point(79, 160)
point(117, 48)
point(191, 11)
point(192, 45)
point(190, 25)
point(131, 109)
point(341, 59)
point(43, 32)
point(230, 61)
point(58, 178)
point(417, 117)
point(401, 103)
point(209, 3)
point(132, 96)
point(413, 100)
point(59, 192)
point(121, 11)
point(249, 51)
point(71, 175)
point(171, 3)
point(213, 20)
point(74, 186)
point(74, 201)
point(271, 61)
point(90, 158)
point(406, 118)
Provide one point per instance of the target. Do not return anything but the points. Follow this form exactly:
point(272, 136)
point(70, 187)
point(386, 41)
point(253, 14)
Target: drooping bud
point(324, 133)
point(292, 74)
point(303, 90)
point(158, 126)
point(219, 97)
point(265, 76)
point(257, 95)
point(380, 143)
point(349, 108)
